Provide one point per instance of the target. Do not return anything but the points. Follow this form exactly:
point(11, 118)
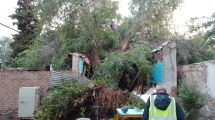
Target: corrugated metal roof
point(58, 77)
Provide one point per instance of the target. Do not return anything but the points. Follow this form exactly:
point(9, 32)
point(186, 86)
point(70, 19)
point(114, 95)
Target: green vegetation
point(116, 63)
point(192, 50)
point(61, 100)
point(5, 50)
point(28, 24)
point(191, 99)
point(92, 28)
point(152, 19)
point(50, 29)
point(136, 102)
point(86, 29)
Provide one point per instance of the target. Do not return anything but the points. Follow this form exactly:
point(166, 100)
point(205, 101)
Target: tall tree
point(151, 18)
point(86, 28)
point(28, 25)
point(204, 26)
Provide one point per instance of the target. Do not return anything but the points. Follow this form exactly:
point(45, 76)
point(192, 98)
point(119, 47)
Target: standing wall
point(11, 81)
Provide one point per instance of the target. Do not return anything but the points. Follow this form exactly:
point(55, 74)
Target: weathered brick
point(11, 81)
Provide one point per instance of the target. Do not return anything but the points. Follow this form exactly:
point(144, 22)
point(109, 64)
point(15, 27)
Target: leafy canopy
point(193, 49)
point(152, 18)
point(116, 63)
point(85, 27)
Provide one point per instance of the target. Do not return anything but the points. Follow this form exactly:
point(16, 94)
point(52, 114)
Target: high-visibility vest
point(157, 114)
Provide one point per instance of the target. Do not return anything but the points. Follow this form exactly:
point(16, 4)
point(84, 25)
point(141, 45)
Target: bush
point(61, 102)
point(136, 102)
point(191, 99)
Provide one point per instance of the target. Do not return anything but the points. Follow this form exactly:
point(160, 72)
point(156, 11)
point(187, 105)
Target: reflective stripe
point(153, 106)
point(162, 118)
point(172, 107)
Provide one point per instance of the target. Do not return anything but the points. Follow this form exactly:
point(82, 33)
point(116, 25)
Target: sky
point(189, 9)
point(7, 7)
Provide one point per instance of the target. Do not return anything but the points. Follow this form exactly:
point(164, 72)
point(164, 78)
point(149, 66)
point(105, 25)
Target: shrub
point(191, 99)
point(136, 102)
point(60, 102)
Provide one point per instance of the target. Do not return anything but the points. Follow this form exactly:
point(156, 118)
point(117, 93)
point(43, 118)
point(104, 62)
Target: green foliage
point(5, 49)
point(192, 50)
point(125, 30)
point(86, 27)
point(210, 33)
point(136, 102)
point(28, 25)
point(151, 19)
point(191, 99)
point(117, 62)
point(34, 58)
point(56, 102)
point(206, 28)
point(40, 53)
point(104, 83)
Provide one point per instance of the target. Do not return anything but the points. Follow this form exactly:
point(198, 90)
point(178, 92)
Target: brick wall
point(11, 81)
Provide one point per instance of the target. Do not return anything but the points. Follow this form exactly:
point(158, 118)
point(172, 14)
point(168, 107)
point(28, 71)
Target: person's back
point(161, 106)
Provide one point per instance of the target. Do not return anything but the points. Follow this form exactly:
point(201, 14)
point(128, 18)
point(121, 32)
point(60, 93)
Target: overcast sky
point(7, 7)
point(189, 9)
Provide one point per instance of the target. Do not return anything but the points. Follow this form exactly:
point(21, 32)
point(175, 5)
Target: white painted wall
point(203, 74)
point(211, 78)
point(169, 66)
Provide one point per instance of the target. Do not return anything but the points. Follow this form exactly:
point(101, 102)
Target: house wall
point(202, 74)
point(211, 78)
point(169, 66)
point(11, 81)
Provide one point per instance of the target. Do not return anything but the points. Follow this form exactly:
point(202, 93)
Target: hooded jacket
point(162, 102)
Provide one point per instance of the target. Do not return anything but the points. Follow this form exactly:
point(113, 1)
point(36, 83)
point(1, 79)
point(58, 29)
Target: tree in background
point(151, 19)
point(198, 44)
point(5, 49)
point(192, 49)
point(210, 33)
point(28, 25)
point(206, 27)
point(41, 52)
point(88, 27)
point(85, 27)
point(96, 37)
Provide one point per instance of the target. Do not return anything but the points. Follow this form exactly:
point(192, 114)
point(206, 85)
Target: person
point(160, 106)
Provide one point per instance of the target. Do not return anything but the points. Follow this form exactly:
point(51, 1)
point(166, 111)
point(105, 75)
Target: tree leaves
point(152, 19)
point(5, 50)
point(28, 25)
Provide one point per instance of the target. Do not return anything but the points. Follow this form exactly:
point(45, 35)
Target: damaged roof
point(161, 46)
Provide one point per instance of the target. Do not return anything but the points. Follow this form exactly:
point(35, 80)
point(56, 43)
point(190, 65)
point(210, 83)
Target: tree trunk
point(125, 45)
point(95, 59)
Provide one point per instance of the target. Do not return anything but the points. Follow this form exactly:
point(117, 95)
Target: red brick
point(11, 81)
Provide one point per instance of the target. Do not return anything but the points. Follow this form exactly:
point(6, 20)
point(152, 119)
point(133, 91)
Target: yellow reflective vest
point(157, 114)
